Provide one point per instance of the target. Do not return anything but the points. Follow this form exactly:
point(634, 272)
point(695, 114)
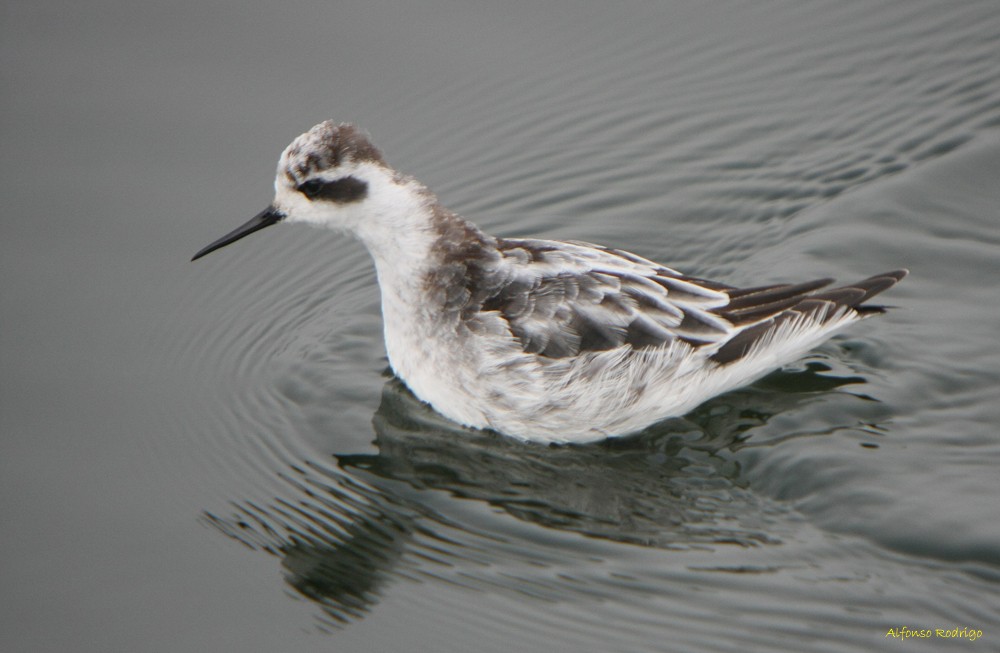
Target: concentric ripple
point(842, 496)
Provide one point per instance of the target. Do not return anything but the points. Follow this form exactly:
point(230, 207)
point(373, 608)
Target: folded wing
point(562, 299)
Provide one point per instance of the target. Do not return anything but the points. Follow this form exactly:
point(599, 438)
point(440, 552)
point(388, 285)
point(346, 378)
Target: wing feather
point(561, 299)
point(564, 298)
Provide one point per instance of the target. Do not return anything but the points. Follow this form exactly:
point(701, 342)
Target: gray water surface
point(213, 456)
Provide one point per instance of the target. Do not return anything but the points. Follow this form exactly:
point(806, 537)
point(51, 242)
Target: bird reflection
point(352, 527)
point(338, 540)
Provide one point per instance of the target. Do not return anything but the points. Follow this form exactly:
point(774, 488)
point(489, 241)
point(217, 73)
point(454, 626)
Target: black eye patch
point(341, 191)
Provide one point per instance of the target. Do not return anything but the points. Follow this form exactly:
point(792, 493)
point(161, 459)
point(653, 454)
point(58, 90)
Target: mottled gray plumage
point(328, 146)
point(552, 341)
point(564, 298)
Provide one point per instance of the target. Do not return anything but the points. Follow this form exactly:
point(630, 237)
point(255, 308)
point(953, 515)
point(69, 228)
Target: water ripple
point(781, 142)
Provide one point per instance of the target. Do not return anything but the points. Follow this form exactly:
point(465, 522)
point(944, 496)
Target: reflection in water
point(667, 487)
point(338, 541)
point(351, 528)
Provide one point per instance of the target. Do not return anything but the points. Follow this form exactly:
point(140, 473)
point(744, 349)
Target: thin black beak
point(265, 218)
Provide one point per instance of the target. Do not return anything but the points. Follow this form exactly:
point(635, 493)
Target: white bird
point(543, 340)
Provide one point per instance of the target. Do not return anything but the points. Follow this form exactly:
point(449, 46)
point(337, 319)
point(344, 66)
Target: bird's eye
point(339, 191)
point(311, 188)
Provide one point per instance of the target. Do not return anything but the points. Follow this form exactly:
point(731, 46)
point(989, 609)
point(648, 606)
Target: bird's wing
point(564, 298)
point(757, 313)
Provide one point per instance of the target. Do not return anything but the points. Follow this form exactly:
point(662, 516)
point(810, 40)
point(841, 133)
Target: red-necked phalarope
point(551, 341)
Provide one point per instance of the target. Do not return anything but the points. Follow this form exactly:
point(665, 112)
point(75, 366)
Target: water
point(212, 456)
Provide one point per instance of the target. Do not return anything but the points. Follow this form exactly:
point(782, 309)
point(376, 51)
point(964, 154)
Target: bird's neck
point(423, 252)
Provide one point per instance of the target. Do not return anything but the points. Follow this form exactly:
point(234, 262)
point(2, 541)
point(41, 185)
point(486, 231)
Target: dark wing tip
point(766, 294)
point(749, 305)
point(763, 309)
point(898, 275)
point(876, 284)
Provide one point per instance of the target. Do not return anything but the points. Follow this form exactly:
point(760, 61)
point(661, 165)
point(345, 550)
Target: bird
point(547, 341)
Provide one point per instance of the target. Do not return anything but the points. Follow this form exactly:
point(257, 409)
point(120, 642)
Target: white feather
point(548, 341)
